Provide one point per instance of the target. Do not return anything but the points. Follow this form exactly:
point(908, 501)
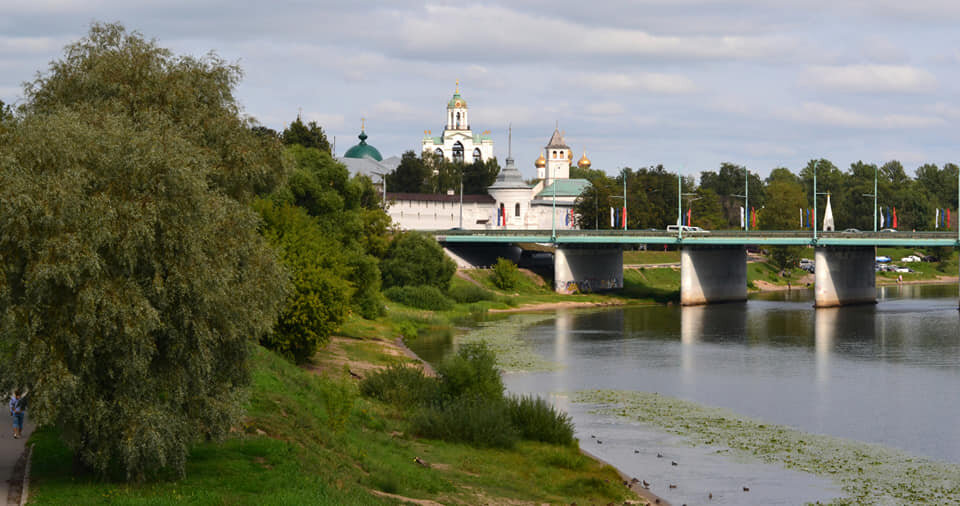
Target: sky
point(684, 83)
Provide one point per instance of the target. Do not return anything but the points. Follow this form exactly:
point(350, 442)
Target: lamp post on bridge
point(746, 199)
point(874, 195)
point(623, 173)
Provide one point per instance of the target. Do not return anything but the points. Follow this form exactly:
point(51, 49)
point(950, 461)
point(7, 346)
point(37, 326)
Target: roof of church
point(556, 140)
point(509, 178)
point(363, 150)
point(456, 101)
point(565, 188)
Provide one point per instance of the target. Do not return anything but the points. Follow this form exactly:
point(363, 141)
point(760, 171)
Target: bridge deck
point(722, 237)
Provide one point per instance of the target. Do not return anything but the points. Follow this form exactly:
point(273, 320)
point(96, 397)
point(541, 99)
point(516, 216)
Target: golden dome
point(541, 162)
point(584, 161)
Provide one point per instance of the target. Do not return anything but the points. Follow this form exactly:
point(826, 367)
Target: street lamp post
point(624, 197)
point(874, 195)
point(746, 200)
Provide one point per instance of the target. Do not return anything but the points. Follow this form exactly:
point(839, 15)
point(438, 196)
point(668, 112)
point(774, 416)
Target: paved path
point(10, 451)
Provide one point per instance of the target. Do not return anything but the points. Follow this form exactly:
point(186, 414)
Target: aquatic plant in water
point(868, 473)
point(503, 337)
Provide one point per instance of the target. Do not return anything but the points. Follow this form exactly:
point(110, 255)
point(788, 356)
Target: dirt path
point(13, 460)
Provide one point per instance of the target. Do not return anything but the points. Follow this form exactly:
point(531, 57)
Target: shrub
point(472, 372)
point(537, 420)
point(421, 297)
point(469, 293)
point(506, 275)
point(401, 385)
point(414, 258)
point(473, 420)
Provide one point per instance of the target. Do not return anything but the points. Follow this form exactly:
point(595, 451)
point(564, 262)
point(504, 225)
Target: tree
point(318, 302)
point(308, 136)
point(786, 198)
point(412, 175)
point(133, 278)
point(729, 183)
point(416, 259)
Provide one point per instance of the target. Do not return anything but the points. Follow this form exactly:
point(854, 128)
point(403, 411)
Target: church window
point(516, 209)
point(458, 120)
point(554, 154)
point(458, 152)
point(561, 154)
point(476, 155)
point(439, 152)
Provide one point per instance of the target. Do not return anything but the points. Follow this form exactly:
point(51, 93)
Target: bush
point(470, 293)
point(537, 420)
point(473, 420)
point(506, 275)
point(421, 297)
point(414, 258)
point(401, 385)
point(472, 372)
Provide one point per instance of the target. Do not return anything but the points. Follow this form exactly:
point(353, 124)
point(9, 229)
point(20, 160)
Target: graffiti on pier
point(591, 285)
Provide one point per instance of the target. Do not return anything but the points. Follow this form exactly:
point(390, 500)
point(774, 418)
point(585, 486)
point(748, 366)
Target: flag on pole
point(936, 219)
point(611, 217)
point(894, 217)
point(741, 217)
point(689, 216)
point(948, 218)
point(753, 217)
point(624, 217)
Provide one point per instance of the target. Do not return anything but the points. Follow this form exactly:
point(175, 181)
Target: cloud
point(647, 82)
point(493, 31)
point(823, 114)
point(872, 78)
point(604, 109)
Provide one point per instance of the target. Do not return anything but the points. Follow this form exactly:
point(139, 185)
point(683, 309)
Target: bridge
point(712, 263)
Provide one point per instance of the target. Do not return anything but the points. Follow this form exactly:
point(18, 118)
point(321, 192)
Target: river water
point(887, 374)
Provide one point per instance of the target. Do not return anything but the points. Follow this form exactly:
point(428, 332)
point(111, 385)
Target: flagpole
point(875, 170)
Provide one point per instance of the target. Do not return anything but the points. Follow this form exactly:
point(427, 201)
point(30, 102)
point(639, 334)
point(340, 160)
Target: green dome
point(363, 150)
point(456, 101)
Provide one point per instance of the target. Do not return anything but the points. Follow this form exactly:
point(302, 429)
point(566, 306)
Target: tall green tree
point(308, 135)
point(727, 184)
point(786, 197)
point(412, 175)
point(134, 276)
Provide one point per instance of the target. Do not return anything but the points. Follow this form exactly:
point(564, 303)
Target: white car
point(911, 258)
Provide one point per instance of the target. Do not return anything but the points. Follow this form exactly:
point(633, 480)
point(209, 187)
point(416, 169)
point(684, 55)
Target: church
point(510, 203)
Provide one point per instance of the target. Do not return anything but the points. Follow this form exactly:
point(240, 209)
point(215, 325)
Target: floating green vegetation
point(868, 473)
point(503, 337)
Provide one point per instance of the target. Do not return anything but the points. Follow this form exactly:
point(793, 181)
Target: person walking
point(19, 409)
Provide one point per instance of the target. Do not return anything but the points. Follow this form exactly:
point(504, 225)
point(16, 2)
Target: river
point(887, 374)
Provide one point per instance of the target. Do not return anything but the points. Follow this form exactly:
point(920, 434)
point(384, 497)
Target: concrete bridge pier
point(845, 276)
point(587, 269)
point(710, 274)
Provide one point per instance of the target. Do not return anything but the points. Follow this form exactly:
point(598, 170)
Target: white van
point(685, 228)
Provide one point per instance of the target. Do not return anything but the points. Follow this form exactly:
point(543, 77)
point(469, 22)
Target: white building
point(511, 203)
point(458, 142)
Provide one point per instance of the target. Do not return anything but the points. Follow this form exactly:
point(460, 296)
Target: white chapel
point(458, 143)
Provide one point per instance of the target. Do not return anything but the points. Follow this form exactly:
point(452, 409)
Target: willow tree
point(134, 277)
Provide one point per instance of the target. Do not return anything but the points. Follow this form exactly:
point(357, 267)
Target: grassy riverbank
point(309, 437)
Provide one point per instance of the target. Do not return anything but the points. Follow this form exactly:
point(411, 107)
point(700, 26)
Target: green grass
point(308, 439)
point(656, 284)
point(640, 257)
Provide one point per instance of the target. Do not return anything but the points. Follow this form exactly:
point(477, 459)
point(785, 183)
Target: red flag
point(753, 217)
point(894, 217)
point(624, 217)
point(689, 222)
